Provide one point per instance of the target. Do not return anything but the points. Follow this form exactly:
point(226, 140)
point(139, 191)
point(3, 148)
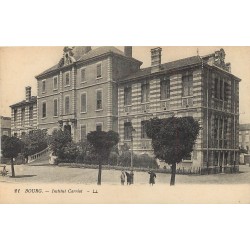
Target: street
point(56, 174)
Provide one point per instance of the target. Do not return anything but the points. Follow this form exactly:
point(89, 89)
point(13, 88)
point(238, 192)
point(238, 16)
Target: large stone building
point(80, 92)
point(5, 125)
point(202, 87)
point(24, 115)
point(105, 89)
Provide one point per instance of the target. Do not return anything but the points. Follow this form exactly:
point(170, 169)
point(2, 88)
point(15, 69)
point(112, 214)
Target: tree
point(102, 143)
point(172, 139)
point(11, 147)
point(58, 140)
point(34, 142)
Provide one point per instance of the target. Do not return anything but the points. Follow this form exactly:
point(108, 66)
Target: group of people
point(130, 177)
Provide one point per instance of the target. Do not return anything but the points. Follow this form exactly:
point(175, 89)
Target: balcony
point(127, 109)
point(145, 107)
point(187, 102)
point(165, 104)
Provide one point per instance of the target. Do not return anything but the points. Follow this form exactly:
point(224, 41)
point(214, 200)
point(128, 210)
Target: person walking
point(152, 177)
point(131, 176)
point(122, 177)
point(128, 178)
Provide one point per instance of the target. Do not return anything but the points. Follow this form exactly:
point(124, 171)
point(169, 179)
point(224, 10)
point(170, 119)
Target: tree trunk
point(172, 180)
point(12, 167)
point(99, 180)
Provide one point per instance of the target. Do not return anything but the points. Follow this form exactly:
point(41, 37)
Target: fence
point(180, 171)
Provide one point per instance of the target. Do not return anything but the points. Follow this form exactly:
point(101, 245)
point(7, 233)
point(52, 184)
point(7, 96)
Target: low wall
point(181, 171)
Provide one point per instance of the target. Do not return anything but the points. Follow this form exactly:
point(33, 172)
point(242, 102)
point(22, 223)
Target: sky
point(20, 65)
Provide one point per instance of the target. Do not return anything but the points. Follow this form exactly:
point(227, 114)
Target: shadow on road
point(23, 176)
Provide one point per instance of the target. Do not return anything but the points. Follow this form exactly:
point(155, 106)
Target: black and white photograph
point(126, 124)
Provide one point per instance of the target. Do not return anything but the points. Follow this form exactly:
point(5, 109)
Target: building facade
point(105, 89)
point(244, 134)
point(202, 87)
point(80, 92)
point(24, 115)
point(5, 125)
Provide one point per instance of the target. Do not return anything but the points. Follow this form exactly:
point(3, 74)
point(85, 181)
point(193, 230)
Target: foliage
point(102, 143)
point(172, 139)
point(34, 142)
point(11, 146)
point(144, 161)
point(57, 142)
point(113, 159)
point(70, 152)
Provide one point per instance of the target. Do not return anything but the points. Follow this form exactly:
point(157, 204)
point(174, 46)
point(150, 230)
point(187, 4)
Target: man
point(152, 177)
point(122, 177)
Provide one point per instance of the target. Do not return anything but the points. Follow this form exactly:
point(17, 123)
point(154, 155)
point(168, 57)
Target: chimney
point(28, 93)
point(128, 51)
point(156, 59)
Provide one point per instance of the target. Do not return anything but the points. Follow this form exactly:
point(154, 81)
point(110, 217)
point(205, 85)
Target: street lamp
point(132, 134)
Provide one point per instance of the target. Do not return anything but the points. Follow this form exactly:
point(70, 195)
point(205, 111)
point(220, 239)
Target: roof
point(166, 67)
point(245, 126)
point(92, 54)
point(24, 102)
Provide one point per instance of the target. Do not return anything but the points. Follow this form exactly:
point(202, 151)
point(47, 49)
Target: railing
point(146, 144)
point(187, 101)
point(165, 105)
point(127, 109)
point(145, 107)
point(38, 155)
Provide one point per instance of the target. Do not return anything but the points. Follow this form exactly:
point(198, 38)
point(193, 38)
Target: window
point(187, 85)
point(55, 107)
point(55, 83)
point(127, 96)
point(216, 88)
point(44, 110)
point(225, 91)
point(67, 79)
point(23, 134)
point(99, 127)
point(83, 76)
point(145, 92)
point(83, 132)
point(66, 105)
point(31, 112)
point(22, 115)
point(15, 115)
point(247, 138)
point(165, 88)
point(6, 133)
point(15, 134)
point(221, 89)
point(43, 86)
point(143, 130)
point(83, 102)
point(98, 70)
point(127, 130)
point(99, 99)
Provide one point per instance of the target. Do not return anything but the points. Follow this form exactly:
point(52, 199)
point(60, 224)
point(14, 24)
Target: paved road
point(55, 174)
